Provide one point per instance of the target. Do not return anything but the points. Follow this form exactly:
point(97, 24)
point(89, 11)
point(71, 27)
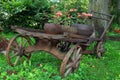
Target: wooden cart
point(62, 46)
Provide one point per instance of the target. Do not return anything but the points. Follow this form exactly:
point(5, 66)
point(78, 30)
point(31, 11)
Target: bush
point(26, 13)
point(34, 13)
point(68, 12)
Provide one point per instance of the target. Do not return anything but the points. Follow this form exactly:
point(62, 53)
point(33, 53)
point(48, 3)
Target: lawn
point(43, 66)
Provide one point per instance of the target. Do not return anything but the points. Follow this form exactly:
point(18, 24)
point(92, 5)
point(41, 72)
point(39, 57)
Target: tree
point(115, 10)
point(108, 7)
point(119, 11)
point(103, 7)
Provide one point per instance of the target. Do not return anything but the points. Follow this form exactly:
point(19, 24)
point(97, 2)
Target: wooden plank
point(62, 37)
point(39, 35)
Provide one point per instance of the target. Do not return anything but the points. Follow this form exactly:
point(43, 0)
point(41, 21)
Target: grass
point(43, 66)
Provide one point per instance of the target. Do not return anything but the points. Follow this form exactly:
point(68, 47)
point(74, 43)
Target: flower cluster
point(58, 14)
point(71, 16)
point(86, 14)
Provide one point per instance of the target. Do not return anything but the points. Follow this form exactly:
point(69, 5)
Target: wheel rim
point(16, 50)
point(100, 49)
point(71, 61)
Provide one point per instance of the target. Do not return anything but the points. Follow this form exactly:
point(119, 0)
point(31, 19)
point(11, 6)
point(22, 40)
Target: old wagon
point(66, 46)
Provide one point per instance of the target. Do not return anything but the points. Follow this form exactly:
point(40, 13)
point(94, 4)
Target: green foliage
point(26, 13)
point(69, 9)
point(115, 10)
point(115, 26)
point(43, 66)
point(34, 13)
point(66, 5)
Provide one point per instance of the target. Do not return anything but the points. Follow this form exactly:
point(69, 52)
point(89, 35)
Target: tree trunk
point(99, 6)
point(119, 11)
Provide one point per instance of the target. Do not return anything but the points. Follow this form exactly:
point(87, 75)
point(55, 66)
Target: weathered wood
point(46, 45)
point(67, 37)
point(77, 36)
point(103, 34)
point(39, 35)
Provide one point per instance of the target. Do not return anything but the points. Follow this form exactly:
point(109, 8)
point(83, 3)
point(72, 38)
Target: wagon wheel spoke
point(78, 51)
point(69, 65)
point(30, 41)
point(77, 62)
point(78, 57)
point(27, 56)
point(16, 50)
point(74, 55)
point(99, 54)
point(100, 49)
point(14, 55)
point(16, 61)
point(65, 61)
point(15, 44)
point(25, 43)
point(21, 40)
point(71, 61)
point(68, 71)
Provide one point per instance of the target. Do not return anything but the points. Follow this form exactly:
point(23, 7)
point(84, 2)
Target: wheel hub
point(21, 52)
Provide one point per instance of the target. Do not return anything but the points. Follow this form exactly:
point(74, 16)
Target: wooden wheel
point(71, 61)
point(16, 50)
point(100, 49)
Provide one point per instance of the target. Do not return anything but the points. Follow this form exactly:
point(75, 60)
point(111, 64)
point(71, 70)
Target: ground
point(43, 66)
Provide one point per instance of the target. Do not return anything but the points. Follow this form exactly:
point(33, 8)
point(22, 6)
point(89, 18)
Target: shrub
point(27, 13)
point(68, 12)
point(34, 13)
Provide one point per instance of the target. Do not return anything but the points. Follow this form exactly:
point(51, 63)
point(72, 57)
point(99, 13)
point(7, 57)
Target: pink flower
point(73, 10)
point(89, 15)
point(86, 15)
point(59, 13)
point(79, 15)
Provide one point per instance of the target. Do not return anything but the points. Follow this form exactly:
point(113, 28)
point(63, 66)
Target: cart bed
point(42, 35)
